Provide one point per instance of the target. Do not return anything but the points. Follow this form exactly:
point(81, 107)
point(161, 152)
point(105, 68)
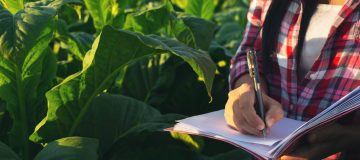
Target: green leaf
point(46, 81)
point(146, 142)
point(106, 12)
point(201, 8)
point(183, 3)
point(193, 142)
point(200, 61)
point(123, 112)
point(57, 4)
point(70, 148)
point(194, 31)
point(6, 153)
point(69, 102)
point(180, 3)
point(234, 3)
point(78, 43)
point(24, 40)
point(232, 15)
point(229, 32)
point(13, 5)
point(232, 24)
point(151, 20)
point(148, 79)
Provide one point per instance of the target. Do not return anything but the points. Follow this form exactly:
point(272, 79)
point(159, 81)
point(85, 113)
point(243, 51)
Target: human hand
point(241, 114)
point(327, 141)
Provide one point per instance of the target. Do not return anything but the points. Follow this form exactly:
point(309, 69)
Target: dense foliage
point(101, 79)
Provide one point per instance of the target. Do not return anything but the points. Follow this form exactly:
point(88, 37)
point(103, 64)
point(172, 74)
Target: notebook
point(283, 134)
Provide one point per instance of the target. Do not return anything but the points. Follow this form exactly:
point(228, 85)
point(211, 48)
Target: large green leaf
point(24, 39)
point(148, 79)
point(6, 153)
point(56, 4)
point(13, 5)
point(150, 20)
point(48, 74)
point(106, 12)
point(70, 148)
point(183, 3)
point(146, 142)
point(201, 8)
point(69, 102)
point(123, 112)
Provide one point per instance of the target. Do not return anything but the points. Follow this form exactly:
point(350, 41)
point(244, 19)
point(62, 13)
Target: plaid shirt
point(329, 79)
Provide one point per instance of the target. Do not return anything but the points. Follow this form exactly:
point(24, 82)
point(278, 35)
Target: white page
point(348, 102)
point(258, 149)
point(215, 123)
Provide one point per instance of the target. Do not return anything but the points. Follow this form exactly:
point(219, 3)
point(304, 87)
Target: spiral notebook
point(283, 134)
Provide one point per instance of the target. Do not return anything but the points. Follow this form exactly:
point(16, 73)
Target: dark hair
point(272, 24)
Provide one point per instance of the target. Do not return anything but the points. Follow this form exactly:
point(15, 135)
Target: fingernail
point(260, 127)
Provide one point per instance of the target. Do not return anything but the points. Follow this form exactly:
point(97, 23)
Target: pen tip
point(264, 133)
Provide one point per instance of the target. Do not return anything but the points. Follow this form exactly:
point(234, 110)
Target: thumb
point(274, 111)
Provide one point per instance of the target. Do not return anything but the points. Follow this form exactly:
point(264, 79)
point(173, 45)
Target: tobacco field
point(101, 79)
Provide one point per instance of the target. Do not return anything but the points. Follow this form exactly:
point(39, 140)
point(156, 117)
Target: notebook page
point(335, 109)
point(281, 146)
point(257, 150)
point(341, 101)
point(215, 123)
point(342, 106)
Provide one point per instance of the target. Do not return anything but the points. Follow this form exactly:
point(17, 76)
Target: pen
point(254, 74)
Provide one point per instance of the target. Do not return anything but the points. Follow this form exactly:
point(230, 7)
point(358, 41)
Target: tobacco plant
point(101, 79)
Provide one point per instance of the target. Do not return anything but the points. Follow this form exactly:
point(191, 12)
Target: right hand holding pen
point(240, 110)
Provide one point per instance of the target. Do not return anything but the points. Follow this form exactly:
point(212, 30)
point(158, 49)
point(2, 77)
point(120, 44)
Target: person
point(309, 57)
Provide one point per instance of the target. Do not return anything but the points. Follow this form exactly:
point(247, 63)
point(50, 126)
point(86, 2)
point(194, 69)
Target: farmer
point(309, 57)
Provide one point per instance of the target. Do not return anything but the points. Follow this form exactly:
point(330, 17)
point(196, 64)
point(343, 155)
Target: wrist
point(247, 81)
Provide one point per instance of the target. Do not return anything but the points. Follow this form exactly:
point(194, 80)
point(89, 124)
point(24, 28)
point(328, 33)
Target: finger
point(275, 111)
point(253, 119)
point(291, 157)
point(247, 129)
point(243, 126)
point(250, 120)
point(229, 113)
point(232, 111)
point(234, 115)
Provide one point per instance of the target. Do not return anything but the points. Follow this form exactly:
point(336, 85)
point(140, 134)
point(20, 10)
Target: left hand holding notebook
point(329, 140)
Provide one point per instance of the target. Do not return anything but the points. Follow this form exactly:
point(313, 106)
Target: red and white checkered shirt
point(328, 80)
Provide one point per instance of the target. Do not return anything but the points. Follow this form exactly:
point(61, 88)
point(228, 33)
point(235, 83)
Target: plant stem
point(23, 118)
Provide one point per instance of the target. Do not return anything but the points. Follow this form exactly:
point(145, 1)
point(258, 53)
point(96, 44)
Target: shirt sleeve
point(251, 40)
